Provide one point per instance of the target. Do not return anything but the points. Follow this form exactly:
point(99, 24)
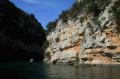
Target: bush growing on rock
point(116, 14)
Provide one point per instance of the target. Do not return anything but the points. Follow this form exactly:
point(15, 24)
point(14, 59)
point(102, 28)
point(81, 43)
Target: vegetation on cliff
point(86, 7)
point(116, 14)
point(51, 25)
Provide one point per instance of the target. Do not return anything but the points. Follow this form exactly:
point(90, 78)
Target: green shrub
point(51, 26)
point(116, 14)
point(64, 16)
point(87, 6)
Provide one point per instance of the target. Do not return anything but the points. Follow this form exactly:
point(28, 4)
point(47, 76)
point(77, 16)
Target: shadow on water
point(22, 71)
point(42, 71)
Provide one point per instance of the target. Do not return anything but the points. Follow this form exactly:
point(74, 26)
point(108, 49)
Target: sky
point(44, 10)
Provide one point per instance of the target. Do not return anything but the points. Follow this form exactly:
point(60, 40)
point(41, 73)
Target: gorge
point(87, 33)
point(82, 43)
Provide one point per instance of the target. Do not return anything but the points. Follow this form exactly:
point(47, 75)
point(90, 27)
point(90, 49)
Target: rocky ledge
point(87, 34)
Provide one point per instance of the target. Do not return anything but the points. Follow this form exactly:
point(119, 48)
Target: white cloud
point(31, 1)
point(43, 3)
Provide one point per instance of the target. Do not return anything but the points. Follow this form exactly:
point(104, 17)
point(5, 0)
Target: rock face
point(91, 38)
point(21, 36)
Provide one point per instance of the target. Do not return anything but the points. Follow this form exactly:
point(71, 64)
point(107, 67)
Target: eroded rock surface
point(94, 40)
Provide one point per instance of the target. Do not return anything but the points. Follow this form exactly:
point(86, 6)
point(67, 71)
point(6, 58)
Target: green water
point(42, 71)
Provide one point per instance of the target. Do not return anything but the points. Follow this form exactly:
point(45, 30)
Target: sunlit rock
point(88, 35)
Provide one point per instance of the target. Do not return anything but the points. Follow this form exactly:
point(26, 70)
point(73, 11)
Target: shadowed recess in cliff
point(21, 35)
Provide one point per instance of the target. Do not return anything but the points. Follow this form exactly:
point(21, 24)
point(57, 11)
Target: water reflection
point(83, 72)
point(41, 71)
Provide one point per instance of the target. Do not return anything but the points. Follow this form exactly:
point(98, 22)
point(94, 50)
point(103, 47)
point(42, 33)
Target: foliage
point(21, 35)
point(86, 6)
point(116, 13)
point(50, 26)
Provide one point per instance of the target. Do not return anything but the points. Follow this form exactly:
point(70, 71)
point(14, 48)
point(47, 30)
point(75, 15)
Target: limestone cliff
point(88, 33)
point(21, 35)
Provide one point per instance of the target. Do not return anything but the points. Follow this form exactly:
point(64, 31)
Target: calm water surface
point(42, 71)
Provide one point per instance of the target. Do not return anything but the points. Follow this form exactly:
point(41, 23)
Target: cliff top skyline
point(44, 10)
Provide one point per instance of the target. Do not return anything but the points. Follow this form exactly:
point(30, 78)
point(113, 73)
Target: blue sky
point(44, 10)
